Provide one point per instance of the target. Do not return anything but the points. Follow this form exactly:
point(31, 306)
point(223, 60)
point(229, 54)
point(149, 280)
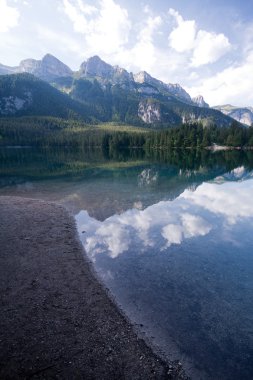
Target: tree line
point(49, 131)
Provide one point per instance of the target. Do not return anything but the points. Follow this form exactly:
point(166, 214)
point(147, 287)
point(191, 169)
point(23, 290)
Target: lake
point(169, 233)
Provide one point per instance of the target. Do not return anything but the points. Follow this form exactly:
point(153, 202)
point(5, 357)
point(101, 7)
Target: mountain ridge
point(109, 93)
point(50, 67)
point(243, 115)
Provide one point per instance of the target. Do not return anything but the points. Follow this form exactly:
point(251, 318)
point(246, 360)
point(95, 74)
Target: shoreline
point(57, 319)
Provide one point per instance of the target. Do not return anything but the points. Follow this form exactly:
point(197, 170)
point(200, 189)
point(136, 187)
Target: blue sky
point(205, 45)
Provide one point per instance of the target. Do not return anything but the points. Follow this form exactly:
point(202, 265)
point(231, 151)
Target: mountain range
point(99, 91)
point(243, 115)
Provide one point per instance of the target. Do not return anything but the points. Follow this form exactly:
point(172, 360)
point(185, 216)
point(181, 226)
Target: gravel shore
point(56, 319)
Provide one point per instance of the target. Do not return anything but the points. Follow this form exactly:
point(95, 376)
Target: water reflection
point(103, 184)
point(182, 268)
point(237, 174)
point(147, 177)
point(170, 234)
point(159, 226)
point(192, 214)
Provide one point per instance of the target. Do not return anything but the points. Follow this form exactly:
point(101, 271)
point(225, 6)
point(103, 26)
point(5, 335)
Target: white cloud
point(144, 52)
point(74, 13)
point(143, 55)
point(106, 31)
point(147, 9)
point(86, 8)
point(209, 47)
point(9, 16)
point(231, 85)
point(206, 47)
point(64, 41)
point(108, 28)
point(182, 38)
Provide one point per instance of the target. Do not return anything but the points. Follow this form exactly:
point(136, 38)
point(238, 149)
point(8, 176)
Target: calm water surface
point(170, 235)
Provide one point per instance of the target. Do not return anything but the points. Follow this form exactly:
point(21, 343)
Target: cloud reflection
point(192, 214)
point(231, 201)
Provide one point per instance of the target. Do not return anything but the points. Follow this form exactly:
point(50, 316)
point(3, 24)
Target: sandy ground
point(56, 319)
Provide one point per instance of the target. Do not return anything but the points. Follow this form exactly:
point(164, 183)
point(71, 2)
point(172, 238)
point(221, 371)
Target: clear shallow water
point(170, 236)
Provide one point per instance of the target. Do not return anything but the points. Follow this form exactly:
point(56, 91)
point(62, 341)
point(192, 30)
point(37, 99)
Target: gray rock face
point(190, 118)
point(149, 112)
point(29, 66)
point(47, 69)
point(179, 92)
point(174, 89)
point(51, 66)
point(122, 76)
point(105, 73)
point(200, 102)
point(242, 114)
point(96, 67)
point(148, 90)
point(144, 77)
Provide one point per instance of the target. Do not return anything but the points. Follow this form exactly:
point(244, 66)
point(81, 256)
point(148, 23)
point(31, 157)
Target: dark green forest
point(49, 131)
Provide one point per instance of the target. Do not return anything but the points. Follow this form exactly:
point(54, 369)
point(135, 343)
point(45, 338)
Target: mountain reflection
point(193, 214)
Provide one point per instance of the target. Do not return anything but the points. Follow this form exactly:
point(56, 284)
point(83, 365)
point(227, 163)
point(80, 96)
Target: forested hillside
point(93, 101)
point(24, 94)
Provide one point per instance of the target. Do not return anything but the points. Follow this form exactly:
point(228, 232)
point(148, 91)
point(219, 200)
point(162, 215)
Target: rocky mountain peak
point(178, 91)
point(28, 65)
point(199, 101)
point(142, 77)
point(51, 65)
point(95, 66)
point(242, 114)
point(48, 68)
point(50, 57)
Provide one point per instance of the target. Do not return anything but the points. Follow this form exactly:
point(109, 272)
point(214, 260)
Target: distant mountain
point(134, 98)
point(144, 104)
point(243, 115)
point(200, 102)
point(50, 68)
point(105, 93)
point(47, 69)
point(141, 82)
point(4, 70)
point(23, 94)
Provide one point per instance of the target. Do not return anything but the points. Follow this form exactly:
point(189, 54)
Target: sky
point(204, 45)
